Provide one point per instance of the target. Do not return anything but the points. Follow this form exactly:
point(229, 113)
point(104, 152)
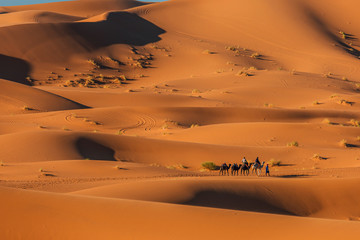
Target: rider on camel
point(257, 162)
point(244, 161)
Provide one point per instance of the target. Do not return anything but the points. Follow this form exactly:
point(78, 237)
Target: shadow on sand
point(14, 69)
point(90, 149)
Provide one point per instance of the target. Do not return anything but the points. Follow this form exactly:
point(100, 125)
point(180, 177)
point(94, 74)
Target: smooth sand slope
point(298, 197)
point(17, 98)
point(108, 109)
point(63, 216)
point(35, 16)
point(82, 8)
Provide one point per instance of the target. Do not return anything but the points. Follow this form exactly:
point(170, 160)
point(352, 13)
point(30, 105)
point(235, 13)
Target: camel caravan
point(244, 168)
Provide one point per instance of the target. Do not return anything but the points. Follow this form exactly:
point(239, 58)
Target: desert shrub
point(177, 166)
point(318, 157)
point(252, 68)
point(243, 74)
point(117, 167)
point(327, 75)
point(207, 52)
point(345, 102)
point(209, 165)
point(357, 86)
point(316, 103)
point(180, 166)
point(123, 77)
point(94, 63)
point(194, 91)
point(194, 125)
point(255, 55)
point(343, 34)
point(344, 143)
point(269, 105)
point(274, 162)
point(326, 121)
point(231, 48)
point(354, 123)
point(293, 144)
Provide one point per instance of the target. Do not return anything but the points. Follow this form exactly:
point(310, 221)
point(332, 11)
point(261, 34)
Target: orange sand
point(109, 108)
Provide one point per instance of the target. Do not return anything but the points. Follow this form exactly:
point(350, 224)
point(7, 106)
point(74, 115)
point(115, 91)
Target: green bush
point(209, 165)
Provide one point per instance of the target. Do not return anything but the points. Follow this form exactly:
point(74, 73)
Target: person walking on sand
point(267, 170)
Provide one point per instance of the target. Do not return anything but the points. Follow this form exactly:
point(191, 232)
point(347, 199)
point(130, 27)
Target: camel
point(257, 168)
point(224, 169)
point(245, 169)
point(235, 169)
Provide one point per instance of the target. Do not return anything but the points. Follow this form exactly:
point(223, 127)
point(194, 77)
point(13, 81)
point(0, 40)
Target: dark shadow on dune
point(82, 37)
point(14, 69)
point(92, 150)
point(321, 25)
point(286, 164)
point(294, 176)
point(234, 201)
point(118, 28)
point(352, 146)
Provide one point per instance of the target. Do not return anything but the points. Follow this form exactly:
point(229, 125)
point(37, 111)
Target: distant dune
point(35, 16)
point(81, 8)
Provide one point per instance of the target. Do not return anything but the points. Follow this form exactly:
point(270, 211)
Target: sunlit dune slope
point(18, 98)
point(301, 197)
point(34, 16)
point(109, 218)
point(81, 8)
point(302, 35)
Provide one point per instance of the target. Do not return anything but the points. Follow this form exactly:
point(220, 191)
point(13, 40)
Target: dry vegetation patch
point(354, 123)
point(293, 144)
point(176, 166)
point(318, 157)
point(327, 121)
point(344, 143)
point(243, 74)
point(345, 102)
point(274, 162)
point(209, 166)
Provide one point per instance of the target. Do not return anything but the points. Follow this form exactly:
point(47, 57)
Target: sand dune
point(301, 197)
point(302, 37)
point(108, 110)
point(35, 16)
point(17, 98)
point(82, 8)
point(63, 40)
point(116, 218)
